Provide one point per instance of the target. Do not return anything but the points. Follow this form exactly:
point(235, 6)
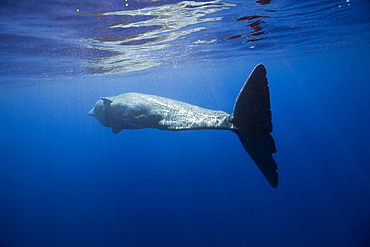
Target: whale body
point(250, 120)
point(138, 111)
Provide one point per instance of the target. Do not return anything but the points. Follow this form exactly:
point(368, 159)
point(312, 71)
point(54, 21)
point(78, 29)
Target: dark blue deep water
point(65, 180)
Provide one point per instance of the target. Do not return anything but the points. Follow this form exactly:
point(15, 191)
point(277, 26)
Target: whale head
point(101, 111)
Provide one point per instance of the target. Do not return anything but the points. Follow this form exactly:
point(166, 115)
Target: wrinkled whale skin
point(138, 111)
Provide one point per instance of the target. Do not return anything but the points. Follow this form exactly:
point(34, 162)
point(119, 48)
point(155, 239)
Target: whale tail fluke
point(253, 125)
point(260, 148)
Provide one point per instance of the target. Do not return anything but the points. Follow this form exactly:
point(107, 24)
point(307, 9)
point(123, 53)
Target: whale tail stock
point(253, 125)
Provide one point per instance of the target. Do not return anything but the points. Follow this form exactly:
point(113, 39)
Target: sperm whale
point(251, 119)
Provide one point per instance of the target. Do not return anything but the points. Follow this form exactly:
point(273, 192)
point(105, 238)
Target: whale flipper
point(252, 120)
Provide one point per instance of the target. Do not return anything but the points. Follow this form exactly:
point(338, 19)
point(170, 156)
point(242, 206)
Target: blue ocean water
point(65, 180)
